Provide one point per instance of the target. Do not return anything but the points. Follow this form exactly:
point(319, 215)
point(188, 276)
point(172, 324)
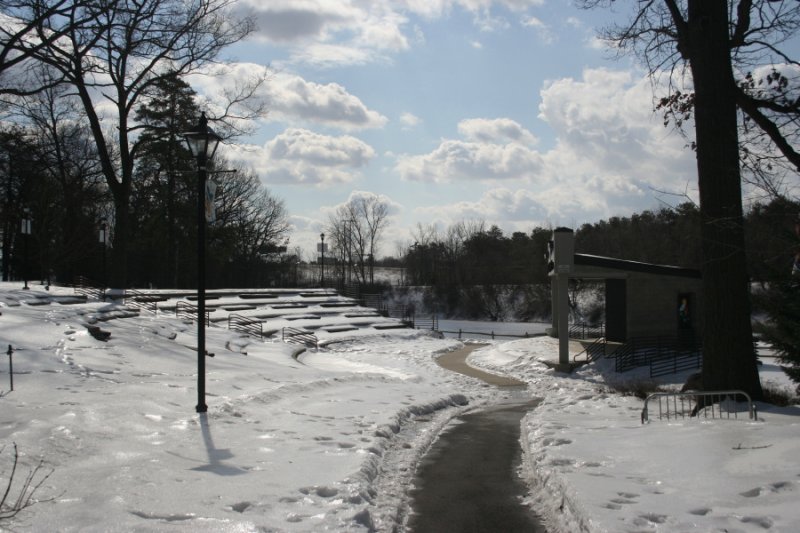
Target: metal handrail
point(250, 326)
point(141, 301)
point(431, 323)
point(189, 312)
point(89, 288)
point(593, 351)
point(582, 330)
point(694, 403)
point(299, 336)
point(642, 351)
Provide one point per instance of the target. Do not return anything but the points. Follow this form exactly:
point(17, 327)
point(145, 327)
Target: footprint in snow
point(321, 491)
point(762, 521)
point(556, 442)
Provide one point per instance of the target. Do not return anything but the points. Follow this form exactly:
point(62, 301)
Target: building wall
point(653, 302)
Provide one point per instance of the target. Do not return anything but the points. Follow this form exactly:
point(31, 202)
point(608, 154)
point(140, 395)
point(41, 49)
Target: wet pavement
point(468, 481)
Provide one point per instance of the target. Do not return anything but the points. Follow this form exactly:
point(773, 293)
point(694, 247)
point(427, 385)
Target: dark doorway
point(616, 310)
point(685, 312)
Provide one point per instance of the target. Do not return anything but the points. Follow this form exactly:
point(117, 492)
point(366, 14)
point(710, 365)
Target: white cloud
point(393, 208)
point(493, 149)
point(297, 21)
point(574, 22)
point(409, 120)
point(303, 157)
point(291, 98)
point(611, 155)
point(325, 33)
point(496, 131)
point(541, 29)
point(606, 128)
point(500, 206)
point(455, 160)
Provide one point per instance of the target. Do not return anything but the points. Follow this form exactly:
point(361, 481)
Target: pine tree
point(782, 304)
point(165, 175)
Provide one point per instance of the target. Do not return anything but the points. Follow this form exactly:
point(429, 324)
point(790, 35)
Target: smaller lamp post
point(322, 262)
point(26, 231)
point(203, 144)
point(103, 237)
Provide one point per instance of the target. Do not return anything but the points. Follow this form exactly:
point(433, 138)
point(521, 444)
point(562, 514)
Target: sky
point(506, 111)
point(329, 439)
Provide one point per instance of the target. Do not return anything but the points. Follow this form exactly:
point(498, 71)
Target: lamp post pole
point(201, 281)
point(103, 241)
point(26, 231)
point(203, 143)
point(322, 262)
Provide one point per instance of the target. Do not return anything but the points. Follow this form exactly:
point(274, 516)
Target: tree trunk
point(119, 251)
point(728, 356)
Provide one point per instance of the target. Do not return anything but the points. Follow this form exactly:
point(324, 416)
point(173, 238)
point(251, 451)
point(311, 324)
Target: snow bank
point(592, 466)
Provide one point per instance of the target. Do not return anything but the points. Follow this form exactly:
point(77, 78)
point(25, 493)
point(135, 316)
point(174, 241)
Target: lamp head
point(203, 141)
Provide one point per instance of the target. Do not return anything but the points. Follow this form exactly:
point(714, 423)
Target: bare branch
point(11, 506)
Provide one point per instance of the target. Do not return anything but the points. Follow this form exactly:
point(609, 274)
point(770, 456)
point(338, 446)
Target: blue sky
point(505, 111)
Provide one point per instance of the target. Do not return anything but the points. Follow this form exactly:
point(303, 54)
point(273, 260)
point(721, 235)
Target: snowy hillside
point(328, 440)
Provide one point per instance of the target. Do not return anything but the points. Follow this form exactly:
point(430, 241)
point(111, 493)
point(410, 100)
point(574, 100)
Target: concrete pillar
point(553, 306)
point(563, 321)
point(563, 266)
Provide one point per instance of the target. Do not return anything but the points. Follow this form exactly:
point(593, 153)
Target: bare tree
point(719, 44)
point(355, 230)
point(113, 60)
point(21, 37)
point(256, 220)
point(72, 192)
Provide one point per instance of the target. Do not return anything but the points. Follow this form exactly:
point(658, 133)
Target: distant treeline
point(473, 271)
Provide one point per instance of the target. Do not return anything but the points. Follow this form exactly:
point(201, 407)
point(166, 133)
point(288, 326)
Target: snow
point(328, 440)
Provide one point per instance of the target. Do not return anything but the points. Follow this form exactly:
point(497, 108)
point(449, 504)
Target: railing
point(372, 300)
point(678, 362)
point(583, 330)
point(492, 334)
point(431, 322)
point(247, 325)
point(594, 351)
point(188, 311)
point(700, 404)
point(89, 288)
point(299, 336)
point(643, 351)
point(142, 301)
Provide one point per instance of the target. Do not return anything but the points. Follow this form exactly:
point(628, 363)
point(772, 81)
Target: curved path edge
point(456, 361)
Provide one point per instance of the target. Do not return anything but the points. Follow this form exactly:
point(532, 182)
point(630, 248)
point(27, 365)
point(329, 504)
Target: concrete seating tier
point(320, 311)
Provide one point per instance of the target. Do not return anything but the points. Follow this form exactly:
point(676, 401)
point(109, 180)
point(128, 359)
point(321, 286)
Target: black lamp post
point(203, 143)
point(322, 262)
point(104, 240)
point(26, 232)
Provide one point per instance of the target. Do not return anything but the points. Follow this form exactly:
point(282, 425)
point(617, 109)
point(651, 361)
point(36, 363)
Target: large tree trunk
point(728, 356)
point(119, 253)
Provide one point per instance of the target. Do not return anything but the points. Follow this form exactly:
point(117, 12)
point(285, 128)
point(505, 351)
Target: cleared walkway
point(468, 481)
point(457, 362)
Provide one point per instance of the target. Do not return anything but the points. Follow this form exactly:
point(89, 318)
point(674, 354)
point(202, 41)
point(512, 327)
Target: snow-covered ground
point(329, 439)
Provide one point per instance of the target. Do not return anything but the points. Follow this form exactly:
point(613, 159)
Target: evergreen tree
point(782, 303)
point(164, 193)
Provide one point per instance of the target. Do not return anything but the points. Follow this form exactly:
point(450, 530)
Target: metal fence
point(700, 404)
